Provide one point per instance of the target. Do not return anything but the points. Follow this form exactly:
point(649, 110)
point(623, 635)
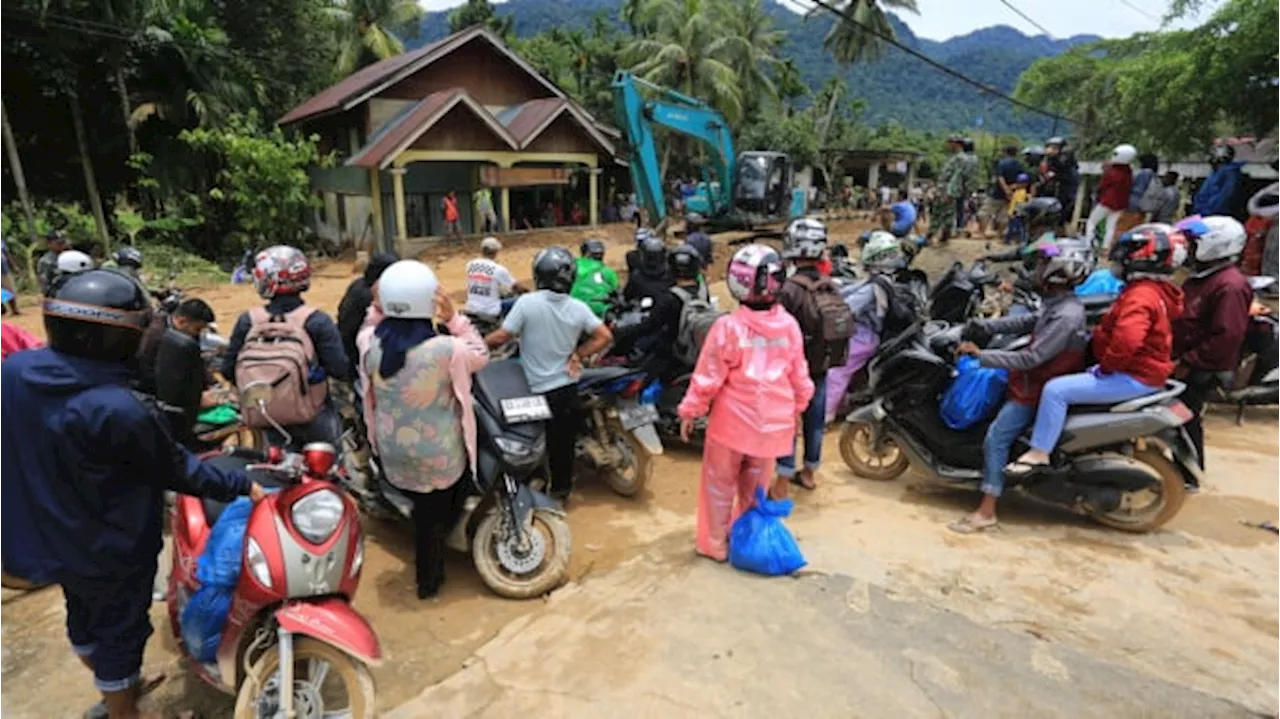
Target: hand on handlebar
point(967, 348)
point(257, 493)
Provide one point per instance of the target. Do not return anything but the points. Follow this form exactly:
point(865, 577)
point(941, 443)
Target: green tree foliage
point(261, 178)
point(1171, 91)
point(860, 39)
point(480, 12)
point(370, 30)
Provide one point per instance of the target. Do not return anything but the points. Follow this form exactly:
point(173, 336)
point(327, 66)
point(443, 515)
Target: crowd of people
point(104, 415)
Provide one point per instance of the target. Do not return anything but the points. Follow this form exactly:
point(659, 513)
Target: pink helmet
point(755, 275)
point(281, 270)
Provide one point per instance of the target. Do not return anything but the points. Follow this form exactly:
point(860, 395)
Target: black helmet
point(1041, 211)
point(98, 314)
point(686, 262)
point(653, 255)
point(1221, 154)
point(554, 269)
point(593, 248)
point(967, 144)
point(128, 257)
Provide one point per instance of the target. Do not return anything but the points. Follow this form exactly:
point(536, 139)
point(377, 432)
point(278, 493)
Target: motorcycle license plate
point(638, 415)
point(526, 409)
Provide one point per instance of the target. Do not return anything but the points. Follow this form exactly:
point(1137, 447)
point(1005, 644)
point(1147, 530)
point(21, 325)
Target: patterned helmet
point(883, 253)
point(642, 234)
point(805, 239)
point(755, 275)
point(281, 270)
point(1061, 263)
point(1154, 249)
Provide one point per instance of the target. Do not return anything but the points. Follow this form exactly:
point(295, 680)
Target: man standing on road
point(452, 220)
point(970, 170)
point(550, 325)
point(47, 266)
point(942, 216)
point(995, 209)
point(484, 208)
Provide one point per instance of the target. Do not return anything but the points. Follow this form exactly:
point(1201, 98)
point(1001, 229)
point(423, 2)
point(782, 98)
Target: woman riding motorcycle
point(418, 404)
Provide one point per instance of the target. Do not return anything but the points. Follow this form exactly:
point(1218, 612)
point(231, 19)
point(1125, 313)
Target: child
point(753, 377)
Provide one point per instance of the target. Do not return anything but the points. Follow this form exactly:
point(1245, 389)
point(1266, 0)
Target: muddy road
point(1194, 604)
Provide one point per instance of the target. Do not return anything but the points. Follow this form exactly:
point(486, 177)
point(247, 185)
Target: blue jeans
point(1001, 434)
point(507, 304)
point(1083, 388)
point(812, 423)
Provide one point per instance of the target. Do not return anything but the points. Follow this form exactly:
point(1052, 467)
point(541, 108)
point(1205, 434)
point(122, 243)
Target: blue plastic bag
point(973, 395)
point(759, 542)
point(218, 570)
point(1100, 282)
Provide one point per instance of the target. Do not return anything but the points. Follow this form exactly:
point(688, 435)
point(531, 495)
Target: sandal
point(973, 524)
point(805, 480)
point(145, 687)
point(1022, 470)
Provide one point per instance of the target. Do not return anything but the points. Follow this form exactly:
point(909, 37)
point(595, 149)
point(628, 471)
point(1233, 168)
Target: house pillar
point(593, 195)
point(505, 195)
point(402, 230)
point(375, 194)
point(1077, 209)
point(873, 177)
point(911, 178)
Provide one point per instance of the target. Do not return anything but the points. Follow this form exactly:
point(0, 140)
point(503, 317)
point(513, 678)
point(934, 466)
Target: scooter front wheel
point(326, 682)
point(882, 464)
point(522, 574)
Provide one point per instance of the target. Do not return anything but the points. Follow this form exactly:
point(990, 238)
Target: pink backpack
point(278, 350)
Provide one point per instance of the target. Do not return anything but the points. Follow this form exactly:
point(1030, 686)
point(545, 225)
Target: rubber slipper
point(1021, 469)
point(99, 710)
point(799, 481)
point(968, 525)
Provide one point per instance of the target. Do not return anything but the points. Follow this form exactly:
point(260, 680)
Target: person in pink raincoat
point(419, 388)
point(753, 378)
point(16, 339)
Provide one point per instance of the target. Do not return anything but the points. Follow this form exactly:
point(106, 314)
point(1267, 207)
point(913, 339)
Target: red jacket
point(15, 339)
point(1136, 335)
point(1113, 189)
point(1209, 334)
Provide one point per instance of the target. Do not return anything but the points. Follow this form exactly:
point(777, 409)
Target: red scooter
point(291, 622)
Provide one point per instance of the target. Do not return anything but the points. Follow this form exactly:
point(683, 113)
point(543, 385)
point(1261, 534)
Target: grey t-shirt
point(549, 325)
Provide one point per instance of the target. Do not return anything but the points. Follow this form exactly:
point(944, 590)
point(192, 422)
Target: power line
point(937, 65)
point(1140, 11)
point(1026, 17)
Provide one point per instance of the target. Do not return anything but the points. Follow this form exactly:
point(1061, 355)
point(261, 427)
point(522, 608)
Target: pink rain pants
point(727, 475)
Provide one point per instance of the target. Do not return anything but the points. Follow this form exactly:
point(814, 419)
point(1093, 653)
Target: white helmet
point(72, 261)
point(490, 245)
point(407, 290)
point(1217, 238)
point(1123, 154)
point(806, 238)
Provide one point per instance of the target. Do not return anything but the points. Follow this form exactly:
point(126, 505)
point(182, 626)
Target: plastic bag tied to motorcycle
point(218, 571)
point(974, 395)
point(760, 543)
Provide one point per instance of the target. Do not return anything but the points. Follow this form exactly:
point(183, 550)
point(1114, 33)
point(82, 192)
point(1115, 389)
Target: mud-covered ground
point(1194, 604)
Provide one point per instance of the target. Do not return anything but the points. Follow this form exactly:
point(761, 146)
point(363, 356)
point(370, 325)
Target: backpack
point(827, 323)
point(279, 351)
point(696, 317)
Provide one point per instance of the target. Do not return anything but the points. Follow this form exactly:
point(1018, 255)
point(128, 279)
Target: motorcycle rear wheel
point(550, 573)
point(881, 466)
point(307, 651)
point(633, 472)
point(1171, 495)
point(9, 581)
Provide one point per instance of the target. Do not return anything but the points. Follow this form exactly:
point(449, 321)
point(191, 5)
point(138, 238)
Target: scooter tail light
point(1181, 411)
point(633, 388)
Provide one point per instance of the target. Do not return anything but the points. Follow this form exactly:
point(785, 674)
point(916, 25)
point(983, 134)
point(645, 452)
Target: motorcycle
point(618, 439)
point(518, 537)
point(1256, 380)
point(1124, 465)
point(291, 624)
point(486, 324)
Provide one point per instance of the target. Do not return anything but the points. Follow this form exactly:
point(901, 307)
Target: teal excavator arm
point(683, 114)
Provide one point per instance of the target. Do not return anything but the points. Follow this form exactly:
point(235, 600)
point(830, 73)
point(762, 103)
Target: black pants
point(434, 514)
point(1199, 385)
point(562, 434)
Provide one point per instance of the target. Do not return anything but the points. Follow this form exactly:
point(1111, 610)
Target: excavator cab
point(763, 185)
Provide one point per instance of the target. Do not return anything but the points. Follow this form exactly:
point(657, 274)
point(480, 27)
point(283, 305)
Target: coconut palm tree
point(367, 30)
point(850, 42)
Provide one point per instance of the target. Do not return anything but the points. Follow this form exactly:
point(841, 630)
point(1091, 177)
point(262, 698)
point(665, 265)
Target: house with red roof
point(464, 114)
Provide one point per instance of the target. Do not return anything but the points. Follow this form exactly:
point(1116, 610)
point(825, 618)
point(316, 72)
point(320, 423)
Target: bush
point(66, 217)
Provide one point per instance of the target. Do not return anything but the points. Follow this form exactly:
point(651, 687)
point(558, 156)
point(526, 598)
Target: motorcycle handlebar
point(249, 453)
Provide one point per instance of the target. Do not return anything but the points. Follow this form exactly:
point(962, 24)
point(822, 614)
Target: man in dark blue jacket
point(1217, 194)
point(86, 465)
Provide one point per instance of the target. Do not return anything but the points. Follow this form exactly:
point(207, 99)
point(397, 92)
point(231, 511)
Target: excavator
point(739, 191)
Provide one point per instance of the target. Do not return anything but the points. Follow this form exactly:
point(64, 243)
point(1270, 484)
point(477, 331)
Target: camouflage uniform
point(942, 215)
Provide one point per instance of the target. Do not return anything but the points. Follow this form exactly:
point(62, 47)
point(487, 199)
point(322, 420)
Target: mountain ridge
point(897, 88)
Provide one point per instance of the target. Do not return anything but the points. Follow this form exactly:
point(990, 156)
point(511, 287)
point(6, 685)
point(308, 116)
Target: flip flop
point(1021, 470)
point(99, 710)
point(969, 525)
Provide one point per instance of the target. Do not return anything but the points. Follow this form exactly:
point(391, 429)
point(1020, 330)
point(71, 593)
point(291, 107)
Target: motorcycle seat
point(213, 508)
point(1172, 389)
point(596, 375)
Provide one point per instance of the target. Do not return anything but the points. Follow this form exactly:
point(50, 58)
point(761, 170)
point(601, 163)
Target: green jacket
point(595, 282)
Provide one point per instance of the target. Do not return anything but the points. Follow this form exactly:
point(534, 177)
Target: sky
point(941, 19)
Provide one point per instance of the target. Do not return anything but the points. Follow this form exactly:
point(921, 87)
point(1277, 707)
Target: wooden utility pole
point(19, 178)
point(90, 181)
